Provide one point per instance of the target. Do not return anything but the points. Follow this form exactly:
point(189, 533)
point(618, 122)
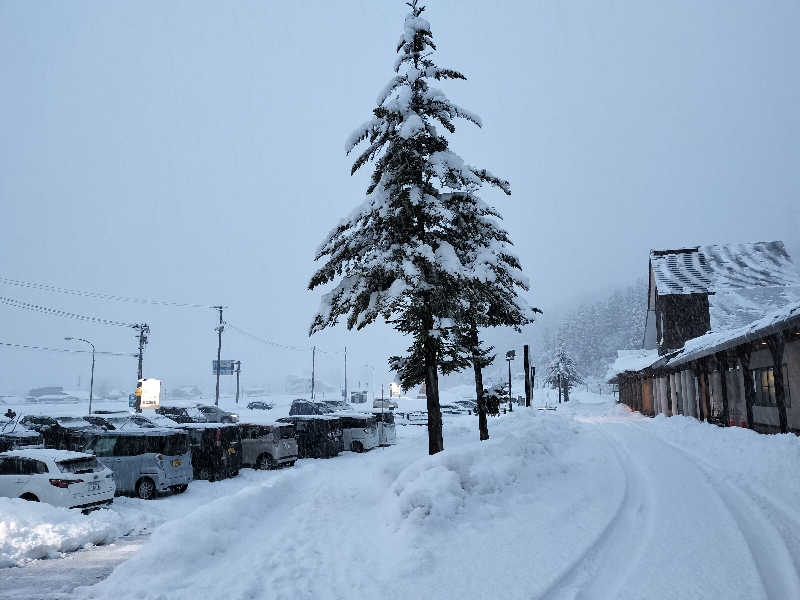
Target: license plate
point(94, 486)
point(176, 462)
point(231, 450)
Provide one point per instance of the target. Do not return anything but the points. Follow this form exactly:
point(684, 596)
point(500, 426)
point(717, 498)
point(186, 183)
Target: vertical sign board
point(225, 367)
point(151, 393)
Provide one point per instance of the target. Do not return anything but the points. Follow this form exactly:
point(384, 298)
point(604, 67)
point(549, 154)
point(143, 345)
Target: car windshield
point(287, 431)
point(79, 465)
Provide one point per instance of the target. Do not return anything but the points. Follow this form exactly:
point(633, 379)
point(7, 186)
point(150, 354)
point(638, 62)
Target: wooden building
point(722, 341)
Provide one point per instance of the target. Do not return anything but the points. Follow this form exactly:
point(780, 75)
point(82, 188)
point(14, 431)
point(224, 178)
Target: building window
point(764, 386)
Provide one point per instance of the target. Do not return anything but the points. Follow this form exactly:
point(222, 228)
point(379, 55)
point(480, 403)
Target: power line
point(266, 341)
point(98, 295)
point(61, 313)
point(70, 350)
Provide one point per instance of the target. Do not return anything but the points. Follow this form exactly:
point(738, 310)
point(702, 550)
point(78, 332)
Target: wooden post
point(776, 345)
point(743, 355)
point(707, 387)
point(527, 366)
point(722, 367)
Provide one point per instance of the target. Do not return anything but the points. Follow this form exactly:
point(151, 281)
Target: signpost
point(149, 393)
point(223, 367)
point(510, 355)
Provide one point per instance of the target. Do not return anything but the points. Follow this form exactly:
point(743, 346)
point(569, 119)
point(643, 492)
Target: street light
point(91, 380)
point(509, 357)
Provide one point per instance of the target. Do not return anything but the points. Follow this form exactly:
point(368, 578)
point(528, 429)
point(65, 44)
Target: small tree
point(562, 374)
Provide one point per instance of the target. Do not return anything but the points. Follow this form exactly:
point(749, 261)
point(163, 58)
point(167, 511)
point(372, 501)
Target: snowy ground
point(589, 501)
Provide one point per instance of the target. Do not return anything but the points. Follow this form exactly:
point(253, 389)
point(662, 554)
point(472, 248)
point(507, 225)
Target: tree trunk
point(435, 441)
point(483, 426)
point(566, 391)
point(527, 366)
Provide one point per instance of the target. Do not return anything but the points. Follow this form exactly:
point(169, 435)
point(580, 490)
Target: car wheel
point(29, 497)
point(265, 461)
point(146, 489)
point(205, 474)
point(179, 489)
point(357, 447)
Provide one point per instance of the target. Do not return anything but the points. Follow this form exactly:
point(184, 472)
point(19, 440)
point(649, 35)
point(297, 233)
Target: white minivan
point(359, 431)
point(58, 477)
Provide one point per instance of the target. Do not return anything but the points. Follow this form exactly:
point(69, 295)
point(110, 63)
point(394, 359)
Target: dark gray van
point(268, 446)
point(145, 462)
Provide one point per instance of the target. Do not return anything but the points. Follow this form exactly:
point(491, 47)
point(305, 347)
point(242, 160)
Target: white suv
point(58, 477)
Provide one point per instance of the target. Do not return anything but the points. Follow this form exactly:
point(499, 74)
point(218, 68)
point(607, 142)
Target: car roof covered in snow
point(205, 425)
point(138, 432)
point(47, 453)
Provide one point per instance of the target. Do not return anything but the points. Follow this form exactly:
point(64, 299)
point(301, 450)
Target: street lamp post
point(509, 357)
point(91, 379)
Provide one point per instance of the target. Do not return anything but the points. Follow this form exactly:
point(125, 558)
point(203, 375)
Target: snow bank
point(391, 523)
point(31, 530)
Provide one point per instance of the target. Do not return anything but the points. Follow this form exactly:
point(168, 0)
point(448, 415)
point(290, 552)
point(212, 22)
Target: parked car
point(214, 414)
point(58, 477)
point(359, 432)
point(61, 433)
point(386, 403)
point(145, 462)
point(387, 433)
point(182, 414)
point(13, 435)
point(216, 450)
point(259, 405)
point(119, 421)
point(318, 436)
point(268, 446)
point(308, 407)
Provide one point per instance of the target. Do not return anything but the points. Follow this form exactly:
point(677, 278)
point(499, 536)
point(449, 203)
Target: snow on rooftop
point(717, 340)
point(715, 268)
point(631, 360)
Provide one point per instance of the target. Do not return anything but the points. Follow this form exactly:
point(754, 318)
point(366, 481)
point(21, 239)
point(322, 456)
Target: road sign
point(226, 367)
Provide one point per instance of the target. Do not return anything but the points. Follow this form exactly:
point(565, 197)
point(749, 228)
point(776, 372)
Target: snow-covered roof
point(47, 453)
point(715, 268)
point(714, 341)
point(631, 360)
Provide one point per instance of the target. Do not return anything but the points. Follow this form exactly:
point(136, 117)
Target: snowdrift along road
point(392, 523)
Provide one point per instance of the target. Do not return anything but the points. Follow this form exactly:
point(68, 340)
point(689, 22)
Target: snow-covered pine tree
point(395, 255)
point(562, 373)
point(490, 295)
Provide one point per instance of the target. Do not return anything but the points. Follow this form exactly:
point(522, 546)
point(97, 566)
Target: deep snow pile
point(31, 530)
point(394, 523)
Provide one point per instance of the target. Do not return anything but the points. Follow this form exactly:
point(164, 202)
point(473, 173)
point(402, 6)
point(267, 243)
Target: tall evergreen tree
point(395, 256)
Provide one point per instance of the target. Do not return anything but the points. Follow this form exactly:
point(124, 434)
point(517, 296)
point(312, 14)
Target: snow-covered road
point(590, 502)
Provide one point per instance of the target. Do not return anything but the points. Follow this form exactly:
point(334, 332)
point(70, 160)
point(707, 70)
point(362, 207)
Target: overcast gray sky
point(193, 151)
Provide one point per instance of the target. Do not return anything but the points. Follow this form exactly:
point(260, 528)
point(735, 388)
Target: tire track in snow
point(596, 574)
point(773, 551)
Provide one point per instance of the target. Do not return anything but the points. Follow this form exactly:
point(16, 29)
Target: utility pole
point(144, 331)
point(527, 364)
point(238, 370)
point(219, 330)
point(313, 366)
point(345, 374)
